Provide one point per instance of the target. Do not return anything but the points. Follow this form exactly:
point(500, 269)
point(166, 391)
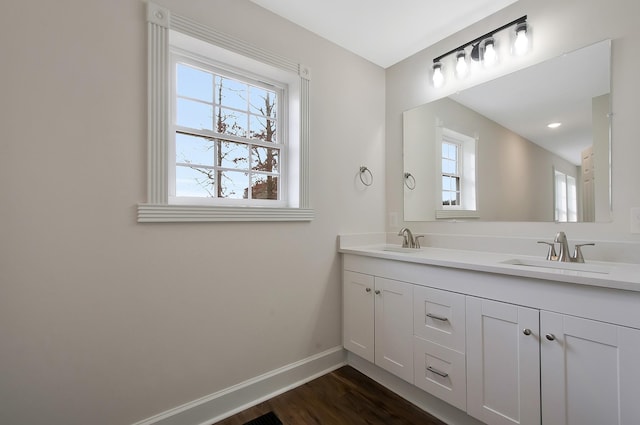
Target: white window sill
point(151, 213)
point(457, 214)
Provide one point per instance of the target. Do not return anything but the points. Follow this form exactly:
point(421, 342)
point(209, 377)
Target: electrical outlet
point(635, 220)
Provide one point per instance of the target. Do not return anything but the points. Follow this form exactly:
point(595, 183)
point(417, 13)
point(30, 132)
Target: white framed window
point(228, 138)
point(228, 134)
point(565, 199)
point(456, 174)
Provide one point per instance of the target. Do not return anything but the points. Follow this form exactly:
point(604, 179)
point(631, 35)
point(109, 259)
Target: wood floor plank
point(344, 396)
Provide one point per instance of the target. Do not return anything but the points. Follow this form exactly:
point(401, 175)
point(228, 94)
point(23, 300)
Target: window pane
point(195, 182)
point(194, 150)
point(231, 93)
point(194, 83)
point(234, 155)
point(264, 187)
point(453, 152)
point(262, 128)
point(234, 185)
point(265, 159)
point(193, 114)
point(231, 122)
point(263, 102)
point(449, 167)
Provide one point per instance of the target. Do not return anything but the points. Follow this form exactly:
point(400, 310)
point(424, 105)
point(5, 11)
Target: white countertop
point(595, 273)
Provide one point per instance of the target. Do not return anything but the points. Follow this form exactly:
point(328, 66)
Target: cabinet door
point(503, 363)
point(394, 327)
point(358, 311)
point(590, 372)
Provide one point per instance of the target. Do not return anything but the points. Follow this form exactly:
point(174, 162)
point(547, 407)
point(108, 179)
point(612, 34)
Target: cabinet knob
point(368, 289)
point(550, 337)
point(527, 331)
point(377, 291)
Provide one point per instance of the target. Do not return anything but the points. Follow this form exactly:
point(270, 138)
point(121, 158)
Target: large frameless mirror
point(533, 145)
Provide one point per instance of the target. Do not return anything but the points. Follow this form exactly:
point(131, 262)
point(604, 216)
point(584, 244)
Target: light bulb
point(461, 65)
point(490, 56)
point(438, 77)
point(521, 44)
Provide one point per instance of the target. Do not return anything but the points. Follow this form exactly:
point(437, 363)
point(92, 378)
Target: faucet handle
point(577, 254)
point(551, 253)
point(417, 240)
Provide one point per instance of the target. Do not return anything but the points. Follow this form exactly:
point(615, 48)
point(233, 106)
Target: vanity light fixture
point(521, 45)
point(483, 49)
point(490, 57)
point(462, 69)
point(438, 77)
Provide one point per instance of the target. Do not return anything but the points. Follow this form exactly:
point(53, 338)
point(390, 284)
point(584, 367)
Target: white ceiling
point(384, 31)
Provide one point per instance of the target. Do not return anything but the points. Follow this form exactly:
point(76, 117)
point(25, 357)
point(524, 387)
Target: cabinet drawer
point(439, 316)
point(440, 371)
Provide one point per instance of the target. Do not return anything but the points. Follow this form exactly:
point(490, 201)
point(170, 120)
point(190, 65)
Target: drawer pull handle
point(368, 289)
point(433, 316)
point(437, 372)
point(527, 331)
point(550, 337)
point(377, 291)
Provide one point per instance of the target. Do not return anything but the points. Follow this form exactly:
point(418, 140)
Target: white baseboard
point(425, 401)
point(222, 404)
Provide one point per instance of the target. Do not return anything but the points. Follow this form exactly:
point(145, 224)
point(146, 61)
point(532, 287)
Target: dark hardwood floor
point(344, 396)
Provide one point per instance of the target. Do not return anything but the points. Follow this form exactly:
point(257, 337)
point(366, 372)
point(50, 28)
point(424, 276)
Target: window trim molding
point(157, 208)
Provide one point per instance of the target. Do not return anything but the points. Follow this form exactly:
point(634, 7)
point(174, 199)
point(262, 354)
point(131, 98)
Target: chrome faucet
point(563, 251)
point(407, 238)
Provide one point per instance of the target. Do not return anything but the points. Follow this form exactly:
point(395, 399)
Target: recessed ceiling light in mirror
point(554, 125)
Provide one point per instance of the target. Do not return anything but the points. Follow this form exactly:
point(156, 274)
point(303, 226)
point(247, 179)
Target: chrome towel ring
point(363, 171)
point(409, 181)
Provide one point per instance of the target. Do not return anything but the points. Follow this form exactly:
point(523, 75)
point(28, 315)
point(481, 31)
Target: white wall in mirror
point(559, 28)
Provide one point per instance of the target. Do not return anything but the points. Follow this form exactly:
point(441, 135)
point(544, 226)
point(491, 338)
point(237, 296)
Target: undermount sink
point(558, 265)
point(397, 248)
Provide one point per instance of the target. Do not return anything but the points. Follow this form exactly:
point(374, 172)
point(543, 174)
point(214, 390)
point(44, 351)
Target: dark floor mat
point(268, 419)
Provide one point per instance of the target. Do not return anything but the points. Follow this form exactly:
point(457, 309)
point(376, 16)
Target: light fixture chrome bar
point(520, 20)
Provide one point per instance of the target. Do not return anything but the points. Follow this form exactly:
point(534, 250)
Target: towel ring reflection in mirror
point(363, 176)
point(409, 181)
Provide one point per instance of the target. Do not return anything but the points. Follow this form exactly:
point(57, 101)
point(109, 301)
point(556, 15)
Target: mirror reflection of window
point(450, 174)
point(566, 200)
point(457, 174)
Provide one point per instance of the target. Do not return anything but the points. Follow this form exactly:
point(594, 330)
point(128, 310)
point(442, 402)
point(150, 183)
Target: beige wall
point(107, 321)
point(557, 27)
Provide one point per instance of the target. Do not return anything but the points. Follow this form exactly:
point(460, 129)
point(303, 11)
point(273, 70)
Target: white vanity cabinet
point(378, 322)
point(504, 349)
point(566, 370)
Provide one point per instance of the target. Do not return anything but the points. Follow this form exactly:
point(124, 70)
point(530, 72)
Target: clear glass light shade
point(438, 77)
point(462, 68)
point(490, 56)
point(521, 45)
